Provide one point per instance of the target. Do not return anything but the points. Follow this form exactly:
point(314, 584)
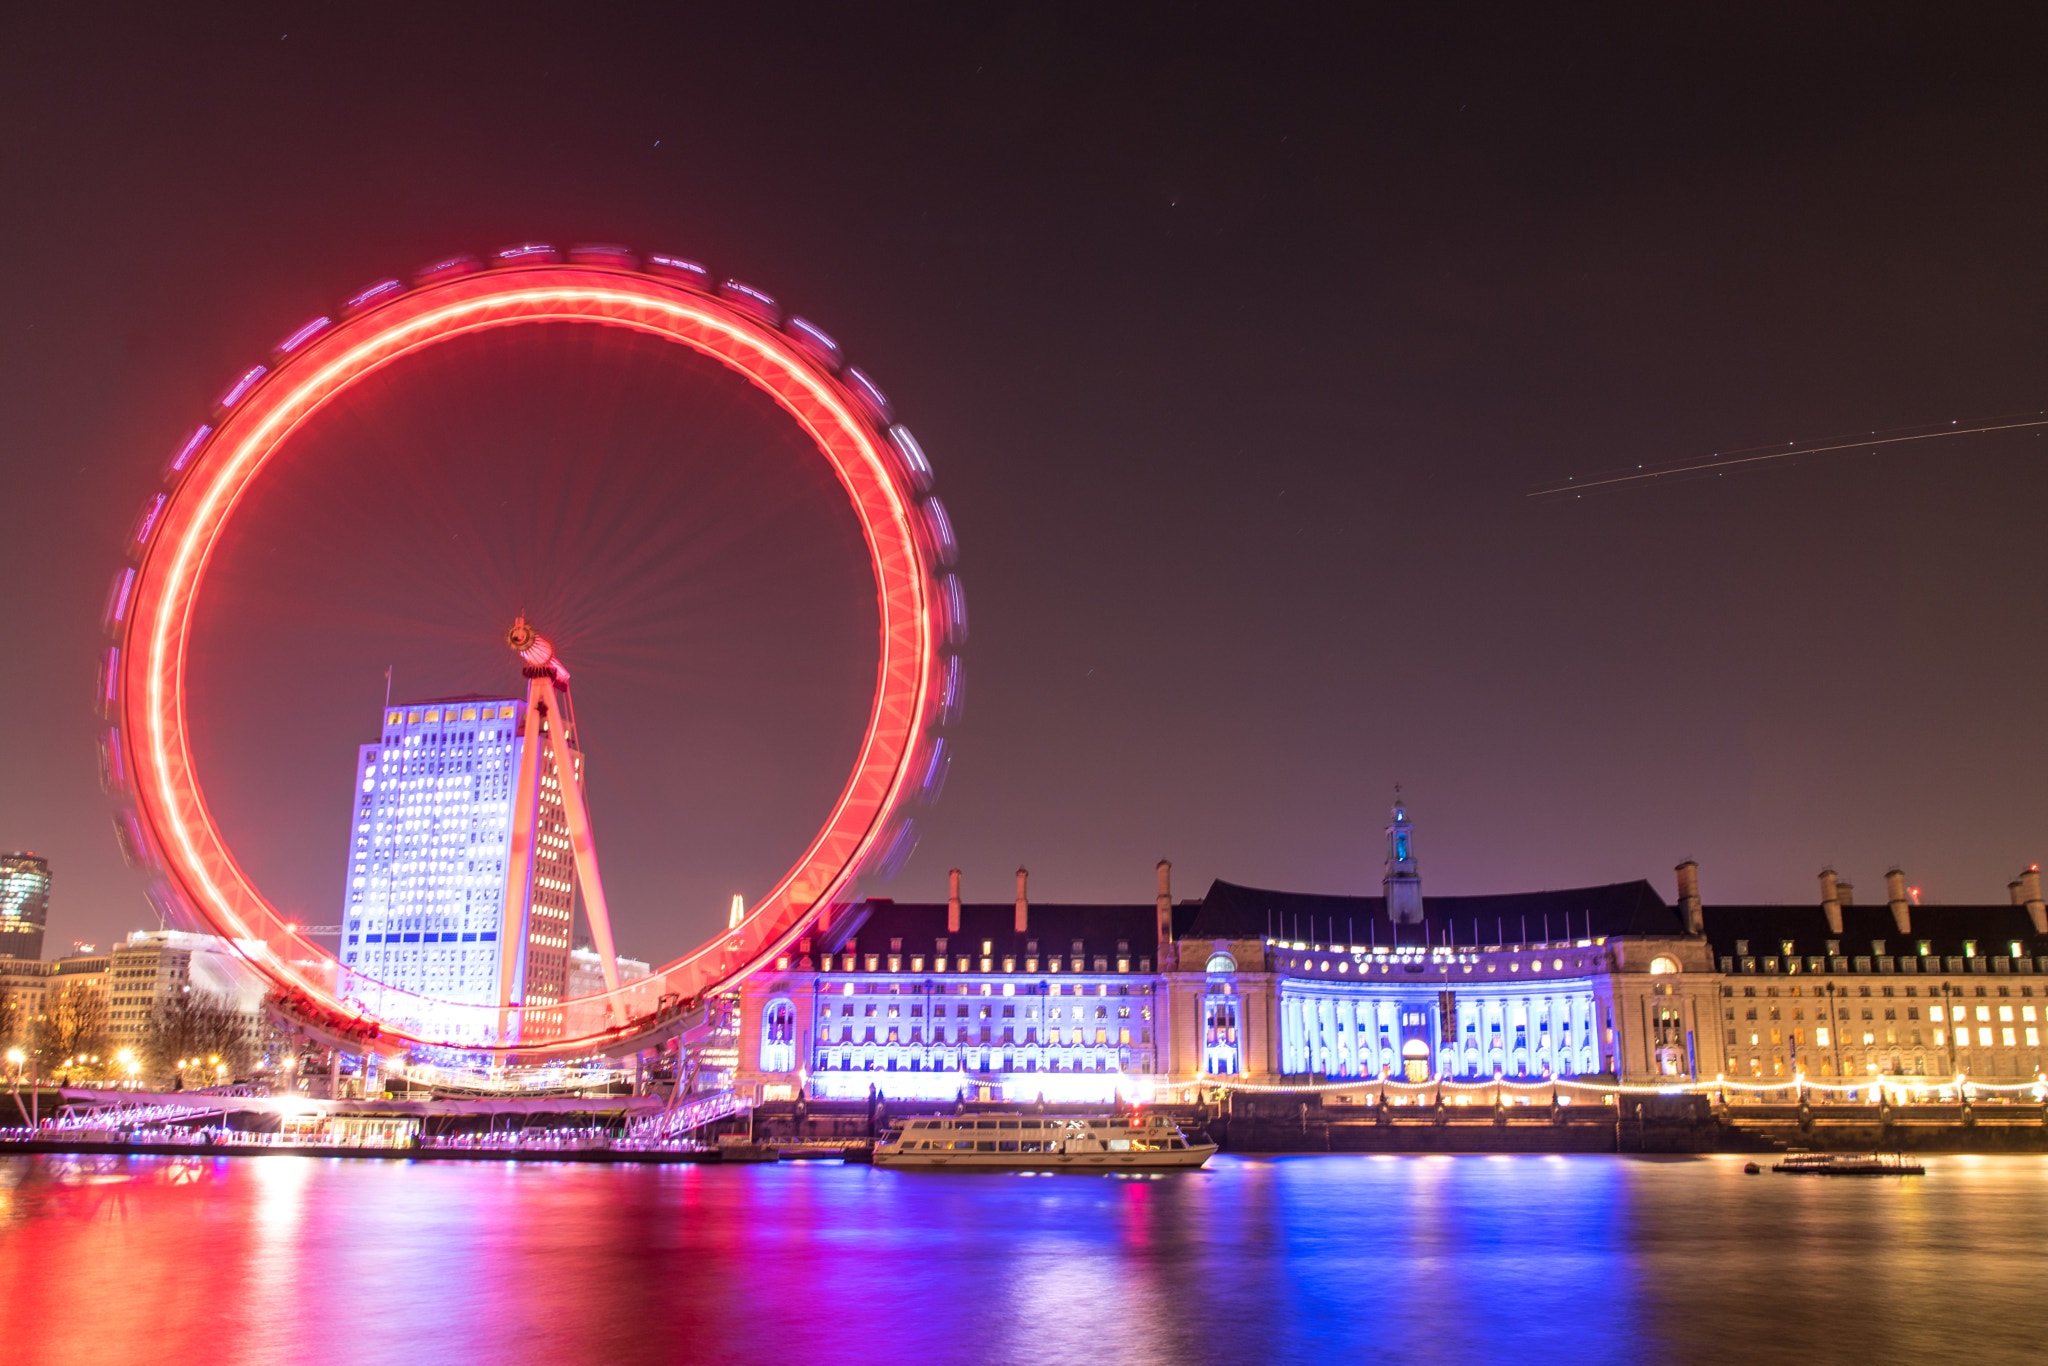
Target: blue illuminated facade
point(1246, 986)
point(1369, 1028)
point(423, 912)
point(1255, 987)
point(939, 1001)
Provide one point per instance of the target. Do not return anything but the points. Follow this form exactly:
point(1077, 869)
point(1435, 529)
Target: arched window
point(778, 1037)
point(1661, 965)
point(1222, 962)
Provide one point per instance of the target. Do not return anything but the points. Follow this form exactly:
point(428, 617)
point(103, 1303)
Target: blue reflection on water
point(1294, 1259)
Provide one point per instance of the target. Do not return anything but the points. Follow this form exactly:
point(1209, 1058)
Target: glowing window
point(778, 1034)
point(1661, 965)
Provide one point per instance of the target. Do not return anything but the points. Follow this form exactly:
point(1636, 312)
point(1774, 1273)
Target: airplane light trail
point(1756, 455)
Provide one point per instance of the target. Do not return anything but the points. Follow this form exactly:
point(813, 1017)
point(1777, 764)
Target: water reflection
point(1585, 1259)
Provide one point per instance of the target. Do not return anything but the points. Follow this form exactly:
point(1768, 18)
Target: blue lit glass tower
point(424, 910)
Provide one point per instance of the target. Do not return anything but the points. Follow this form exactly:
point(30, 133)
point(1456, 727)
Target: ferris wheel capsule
point(526, 254)
point(687, 273)
point(181, 459)
point(753, 301)
point(916, 468)
point(604, 254)
point(813, 339)
point(447, 268)
point(302, 335)
point(120, 597)
point(870, 396)
point(940, 528)
point(372, 295)
point(146, 523)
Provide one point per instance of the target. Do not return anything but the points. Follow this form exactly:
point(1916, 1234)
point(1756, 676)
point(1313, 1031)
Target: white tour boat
point(1021, 1142)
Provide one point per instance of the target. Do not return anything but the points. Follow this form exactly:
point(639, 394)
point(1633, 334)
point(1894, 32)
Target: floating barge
point(1848, 1164)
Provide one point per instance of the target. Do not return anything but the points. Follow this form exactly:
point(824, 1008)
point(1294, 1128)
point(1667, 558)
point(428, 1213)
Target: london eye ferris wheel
point(147, 698)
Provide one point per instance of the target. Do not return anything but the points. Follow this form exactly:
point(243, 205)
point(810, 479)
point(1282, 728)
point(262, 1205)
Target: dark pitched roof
point(1055, 927)
point(1230, 911)
point(1946, 928)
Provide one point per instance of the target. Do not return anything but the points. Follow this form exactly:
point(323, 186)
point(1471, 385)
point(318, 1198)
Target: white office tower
point(426, 921)
point(153, 967)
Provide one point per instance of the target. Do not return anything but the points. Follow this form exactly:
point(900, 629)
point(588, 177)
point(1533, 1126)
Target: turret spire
point(1403, 882)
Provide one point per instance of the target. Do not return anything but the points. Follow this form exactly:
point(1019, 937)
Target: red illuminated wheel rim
point(165, 822)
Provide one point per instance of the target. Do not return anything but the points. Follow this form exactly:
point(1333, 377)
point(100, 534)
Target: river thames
point(1293, 1259)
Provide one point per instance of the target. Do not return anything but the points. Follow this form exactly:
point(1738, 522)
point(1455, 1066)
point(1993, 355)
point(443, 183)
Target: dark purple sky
point(1237, 341)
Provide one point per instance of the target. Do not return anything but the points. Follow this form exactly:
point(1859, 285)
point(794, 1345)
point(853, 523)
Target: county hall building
point(1016, 1001)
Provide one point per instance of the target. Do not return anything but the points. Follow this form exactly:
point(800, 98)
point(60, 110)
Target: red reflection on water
point(1586, 1259)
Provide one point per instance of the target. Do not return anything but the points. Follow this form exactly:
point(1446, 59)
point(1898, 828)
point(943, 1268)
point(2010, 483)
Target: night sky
point(1238, 338)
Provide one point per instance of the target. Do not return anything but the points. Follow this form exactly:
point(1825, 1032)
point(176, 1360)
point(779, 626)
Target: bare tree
point(196, 1024)
point(73, 1024)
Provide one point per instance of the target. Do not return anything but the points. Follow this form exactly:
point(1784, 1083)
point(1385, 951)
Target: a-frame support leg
point(582, 845)
point(519, 864)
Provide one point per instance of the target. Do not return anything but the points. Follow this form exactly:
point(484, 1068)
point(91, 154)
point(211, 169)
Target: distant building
point(34, 986)
point(423, 929)
point(154, 967)
point(586, 972)
point(1265, 987)
point(24, 905)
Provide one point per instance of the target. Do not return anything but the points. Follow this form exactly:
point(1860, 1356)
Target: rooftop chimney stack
point(1830, 900)
point(2037, 909)
point(1845, 891)
point(1895, 892)
point(1689, 897)
point(953, 902)
point(2012, 889)
point(1163, 904)
point(1023, 905)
